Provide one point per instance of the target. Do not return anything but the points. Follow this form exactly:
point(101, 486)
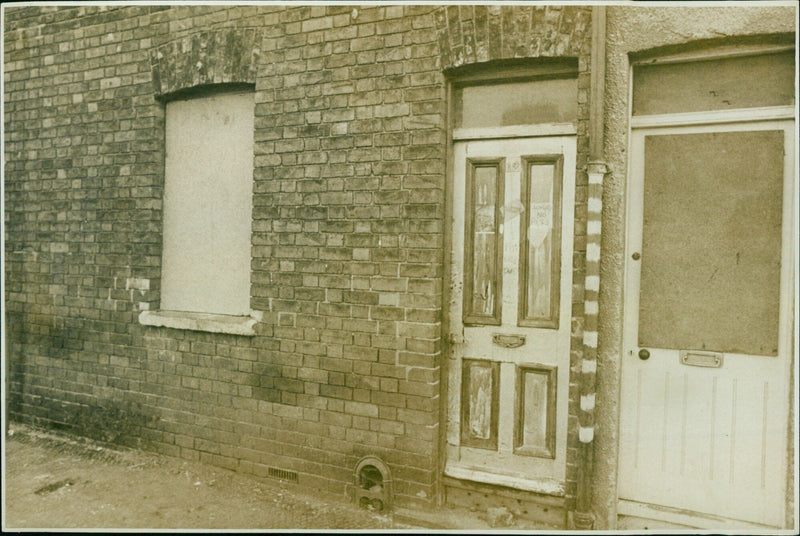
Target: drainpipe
point(583, 517)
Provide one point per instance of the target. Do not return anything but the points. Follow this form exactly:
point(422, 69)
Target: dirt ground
point(55, 481)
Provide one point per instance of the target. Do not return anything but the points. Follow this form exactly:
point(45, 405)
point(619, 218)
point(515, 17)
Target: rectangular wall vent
point(282, 474)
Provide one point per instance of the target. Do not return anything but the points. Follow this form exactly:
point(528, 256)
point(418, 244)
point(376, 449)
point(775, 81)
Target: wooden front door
point(707, 337)
point(510, 311)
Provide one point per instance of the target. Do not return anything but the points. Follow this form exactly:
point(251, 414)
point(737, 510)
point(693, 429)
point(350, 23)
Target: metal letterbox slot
point(701, 359)
point(508, 341)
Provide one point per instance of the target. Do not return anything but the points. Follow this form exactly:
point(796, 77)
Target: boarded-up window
point(718, 84)
point(208, 204)
point(711, 243)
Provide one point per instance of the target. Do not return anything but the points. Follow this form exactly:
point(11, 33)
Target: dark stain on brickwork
point(113, 422)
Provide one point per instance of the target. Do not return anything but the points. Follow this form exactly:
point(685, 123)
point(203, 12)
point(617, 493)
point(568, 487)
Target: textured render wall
point(470, 35)
point(347, 238)
point(631, 30)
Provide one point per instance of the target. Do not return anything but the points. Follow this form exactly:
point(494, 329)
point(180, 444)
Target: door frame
point(780, 118)
point(455, 79)
point(547, 482)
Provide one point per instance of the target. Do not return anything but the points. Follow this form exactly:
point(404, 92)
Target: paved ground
point(57, 481)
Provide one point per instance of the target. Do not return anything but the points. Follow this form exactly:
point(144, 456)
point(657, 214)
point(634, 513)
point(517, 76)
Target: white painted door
point(510, 311)
point(707, 337)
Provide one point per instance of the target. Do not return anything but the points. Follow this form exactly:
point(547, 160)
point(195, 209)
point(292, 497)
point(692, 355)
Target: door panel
point(510, 307)
point(540, 237)
point(707, 335)
point(483, 252)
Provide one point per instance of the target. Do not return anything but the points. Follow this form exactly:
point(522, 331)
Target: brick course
point(347, 236)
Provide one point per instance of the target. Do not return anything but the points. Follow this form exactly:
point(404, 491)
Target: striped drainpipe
point(583, 518)
point(596, 172)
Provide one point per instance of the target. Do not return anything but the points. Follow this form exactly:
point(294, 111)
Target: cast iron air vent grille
point(283, 474)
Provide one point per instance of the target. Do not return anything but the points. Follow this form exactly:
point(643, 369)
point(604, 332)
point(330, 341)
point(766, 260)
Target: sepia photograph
point(405, 267)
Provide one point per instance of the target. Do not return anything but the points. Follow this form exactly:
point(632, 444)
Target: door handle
point(644, 354)
point(456, 338)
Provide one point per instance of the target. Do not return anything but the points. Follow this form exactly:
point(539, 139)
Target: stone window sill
point(212, 323)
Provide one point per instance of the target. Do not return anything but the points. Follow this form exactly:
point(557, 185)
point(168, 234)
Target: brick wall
point(347, 238)
point(348, 216)
point(476, 34)
point(347, 243)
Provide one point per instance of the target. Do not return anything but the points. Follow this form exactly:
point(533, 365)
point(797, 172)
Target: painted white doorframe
point(664, 464)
